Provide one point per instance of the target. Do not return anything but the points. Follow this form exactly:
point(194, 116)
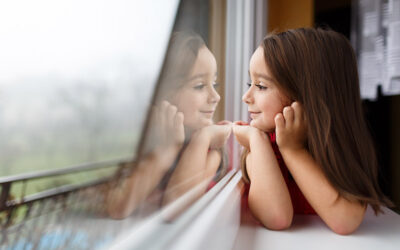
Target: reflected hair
point(318, 68)
point(179, 61)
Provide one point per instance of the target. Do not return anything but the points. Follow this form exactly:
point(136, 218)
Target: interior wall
point(217, 42)
point(289, 14)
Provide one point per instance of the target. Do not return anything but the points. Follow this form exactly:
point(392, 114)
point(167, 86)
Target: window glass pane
point(87, 81)
point(76, 79)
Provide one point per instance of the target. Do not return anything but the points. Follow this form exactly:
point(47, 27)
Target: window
point(83, 87)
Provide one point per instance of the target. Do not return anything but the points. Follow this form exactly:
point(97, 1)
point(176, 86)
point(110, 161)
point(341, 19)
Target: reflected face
point(263, 98)
point(198, 99)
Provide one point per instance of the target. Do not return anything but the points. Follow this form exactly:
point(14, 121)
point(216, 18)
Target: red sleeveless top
point(299, 202)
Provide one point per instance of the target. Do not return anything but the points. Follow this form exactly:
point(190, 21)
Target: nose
point(248, 97)
point(213, 96)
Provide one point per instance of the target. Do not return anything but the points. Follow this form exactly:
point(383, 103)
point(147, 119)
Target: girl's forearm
point(123, 200)
point(269, 198)
point(341, 215)
point(193, 167)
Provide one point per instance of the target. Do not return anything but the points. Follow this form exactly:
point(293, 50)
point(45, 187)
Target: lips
point(208, 113)
point(254, 114)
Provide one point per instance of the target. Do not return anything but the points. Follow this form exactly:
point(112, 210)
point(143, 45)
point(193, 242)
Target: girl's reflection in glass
point(184, 148)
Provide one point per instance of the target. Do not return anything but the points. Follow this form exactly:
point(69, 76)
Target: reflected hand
point(167, 133)
point(171, 123)
point(218, 133)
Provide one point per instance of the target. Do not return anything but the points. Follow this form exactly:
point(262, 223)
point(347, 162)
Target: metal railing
point(60, 217)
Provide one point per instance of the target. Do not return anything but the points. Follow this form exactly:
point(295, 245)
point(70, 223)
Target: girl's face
point(198, 99)
point(263, 98)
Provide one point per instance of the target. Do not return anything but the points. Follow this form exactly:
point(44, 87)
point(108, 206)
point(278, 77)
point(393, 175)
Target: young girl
point(183, 147)
point(308, 149)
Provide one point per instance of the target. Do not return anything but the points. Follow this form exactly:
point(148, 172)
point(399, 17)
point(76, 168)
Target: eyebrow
point(261, 75)
point(202, 75)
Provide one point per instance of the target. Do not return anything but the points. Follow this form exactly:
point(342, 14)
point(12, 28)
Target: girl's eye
point(260, 87)
point(248, 84)
point(199, 87)
point(215, 85)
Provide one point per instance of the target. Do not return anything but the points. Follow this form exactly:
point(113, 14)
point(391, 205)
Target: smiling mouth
point(207, 112)
point(254, 114)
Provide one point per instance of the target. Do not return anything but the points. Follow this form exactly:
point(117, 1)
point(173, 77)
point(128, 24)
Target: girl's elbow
point(278, 222)
point(344, 228)
point(349, 223)
point(279, 225)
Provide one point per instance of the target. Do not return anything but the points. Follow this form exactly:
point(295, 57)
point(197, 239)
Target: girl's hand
point(216, 134)
point(291, 128)
point(244, 133)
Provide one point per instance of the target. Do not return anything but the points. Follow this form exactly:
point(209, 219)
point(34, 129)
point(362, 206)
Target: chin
point(207, 122)
point(261, 127)
point(253, 123)
point(200, 124)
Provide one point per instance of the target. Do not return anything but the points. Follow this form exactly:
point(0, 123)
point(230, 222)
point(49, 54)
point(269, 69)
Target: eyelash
point(260, 87)
point(200, 87)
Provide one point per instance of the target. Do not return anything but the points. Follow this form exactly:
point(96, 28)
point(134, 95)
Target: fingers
point(162, 111)
point(298, 112)
point(171, 123)
point(291, 118)
point(239, 132)
point(179, 128)
point(224, 122)
point(227, 126)
point(168, 115)
point(279, 122)
point(237, 129)
point(288, 114)
point(228, 130)
point(178, 121)
point(241, 123)
point(171, 113)
point(292, 115)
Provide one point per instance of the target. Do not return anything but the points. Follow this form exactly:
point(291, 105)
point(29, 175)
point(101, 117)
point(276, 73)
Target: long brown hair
point(318, 68)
